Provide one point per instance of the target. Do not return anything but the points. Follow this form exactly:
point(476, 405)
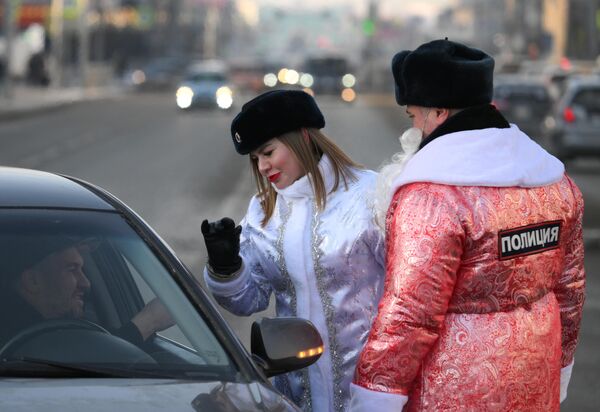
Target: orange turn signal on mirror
point(310, 352)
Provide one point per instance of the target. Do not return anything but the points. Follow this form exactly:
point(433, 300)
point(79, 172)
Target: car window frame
point(189, 286)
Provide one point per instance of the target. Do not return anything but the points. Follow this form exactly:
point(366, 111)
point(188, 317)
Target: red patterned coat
point(483, 296)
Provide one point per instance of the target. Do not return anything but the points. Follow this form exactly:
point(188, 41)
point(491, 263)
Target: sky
point(387, 8)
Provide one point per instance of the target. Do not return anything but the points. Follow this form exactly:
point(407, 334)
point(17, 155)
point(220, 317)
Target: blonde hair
point(308, 152)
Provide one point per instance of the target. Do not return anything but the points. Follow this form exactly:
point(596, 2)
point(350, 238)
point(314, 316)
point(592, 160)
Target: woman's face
point(277, 163)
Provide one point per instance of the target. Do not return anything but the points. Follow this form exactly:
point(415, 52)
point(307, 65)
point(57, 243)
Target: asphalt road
point(176, 169)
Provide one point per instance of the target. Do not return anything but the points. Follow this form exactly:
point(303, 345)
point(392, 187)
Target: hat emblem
point(238, 138)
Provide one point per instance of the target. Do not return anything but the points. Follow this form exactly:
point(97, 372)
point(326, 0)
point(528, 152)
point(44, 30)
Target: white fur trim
point(565, 377)
point(486, 157)
point(302, 187)
point(228, 287)
point(410, 141)
point(366, 400)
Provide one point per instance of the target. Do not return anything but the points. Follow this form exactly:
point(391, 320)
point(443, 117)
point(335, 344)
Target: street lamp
point(84, 49)
point(10, 6)
point(56, 31)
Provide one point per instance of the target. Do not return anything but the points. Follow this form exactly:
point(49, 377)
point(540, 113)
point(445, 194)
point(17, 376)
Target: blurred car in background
point(279, 75)
point(206, 84)
point(156, 75)
point(331, 75)
point(324, 75)
point(556, 78)
point(524, 101)
point(576, 131)
point(82, 362)
point(248, 75)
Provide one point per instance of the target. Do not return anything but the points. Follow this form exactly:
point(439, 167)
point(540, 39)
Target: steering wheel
point(45, 327)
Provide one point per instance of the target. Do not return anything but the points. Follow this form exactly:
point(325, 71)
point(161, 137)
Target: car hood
point(92, 395)
point(204, 87)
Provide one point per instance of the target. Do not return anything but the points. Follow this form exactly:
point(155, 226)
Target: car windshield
point(323, 66)
point(521, 92)
point(206, 77)
point(588, 99)
point(78, 290)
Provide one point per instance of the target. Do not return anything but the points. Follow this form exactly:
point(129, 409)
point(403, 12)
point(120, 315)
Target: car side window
point(173, 332)
point(84, 288)
point(588, 100)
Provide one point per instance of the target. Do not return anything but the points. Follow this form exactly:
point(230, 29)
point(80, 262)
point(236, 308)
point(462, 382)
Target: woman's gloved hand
point(222, 239)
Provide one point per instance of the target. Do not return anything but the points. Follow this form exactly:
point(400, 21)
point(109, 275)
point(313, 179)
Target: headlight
point(224, 96)
point(281, 75)
point(292, 77)
point(183, 97)
point(138, 77)
point(306, 80)
point(348, 80)
point(270, 80)
point(348, 95)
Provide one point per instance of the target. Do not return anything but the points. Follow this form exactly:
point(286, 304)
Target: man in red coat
point(484, 273)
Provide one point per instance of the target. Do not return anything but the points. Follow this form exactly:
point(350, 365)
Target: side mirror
point(282, 345)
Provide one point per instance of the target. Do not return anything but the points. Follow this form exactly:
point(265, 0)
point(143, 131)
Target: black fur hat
point(443, 74)
point(272, 114)
point(23, 252)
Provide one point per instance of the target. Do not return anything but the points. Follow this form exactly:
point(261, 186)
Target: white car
point(577, 119)
point(205, 85)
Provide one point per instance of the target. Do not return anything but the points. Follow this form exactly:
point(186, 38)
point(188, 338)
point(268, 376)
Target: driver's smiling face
point(62, 284)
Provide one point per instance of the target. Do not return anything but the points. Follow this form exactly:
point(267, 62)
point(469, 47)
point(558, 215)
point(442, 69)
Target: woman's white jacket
point(326, 266)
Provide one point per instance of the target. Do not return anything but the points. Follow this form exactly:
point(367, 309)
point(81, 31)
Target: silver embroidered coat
point(325, 266)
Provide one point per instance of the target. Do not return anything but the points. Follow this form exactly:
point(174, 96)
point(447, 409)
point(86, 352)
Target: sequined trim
point(280, 261)
point(336, 361)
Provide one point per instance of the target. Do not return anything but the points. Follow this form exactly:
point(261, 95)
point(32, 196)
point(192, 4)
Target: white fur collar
point(303, 188)
point(485, 157)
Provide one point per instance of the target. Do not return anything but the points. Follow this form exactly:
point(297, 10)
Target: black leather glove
point(222, 239)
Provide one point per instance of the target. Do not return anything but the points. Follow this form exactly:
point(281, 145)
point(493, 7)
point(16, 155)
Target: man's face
point(420, 119)
point(62, 285)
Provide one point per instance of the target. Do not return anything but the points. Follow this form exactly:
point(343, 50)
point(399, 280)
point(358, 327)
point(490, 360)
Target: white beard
point(410, 141)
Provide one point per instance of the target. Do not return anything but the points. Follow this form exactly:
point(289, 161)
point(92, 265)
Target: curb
point(19, 112)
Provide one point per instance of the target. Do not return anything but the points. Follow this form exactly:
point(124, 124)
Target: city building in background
point(85, 42)
point(549, 30)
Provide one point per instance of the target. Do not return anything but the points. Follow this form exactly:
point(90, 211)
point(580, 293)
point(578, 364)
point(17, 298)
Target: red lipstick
point(274, 177)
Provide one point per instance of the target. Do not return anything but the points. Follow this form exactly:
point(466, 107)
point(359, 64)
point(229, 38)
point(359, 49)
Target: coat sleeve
point(425, 244)
point(376, 243)
point(249, 290)
point(570, 287)
point(375, 236)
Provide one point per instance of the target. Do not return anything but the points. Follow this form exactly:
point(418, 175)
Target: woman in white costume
point(308, 237)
